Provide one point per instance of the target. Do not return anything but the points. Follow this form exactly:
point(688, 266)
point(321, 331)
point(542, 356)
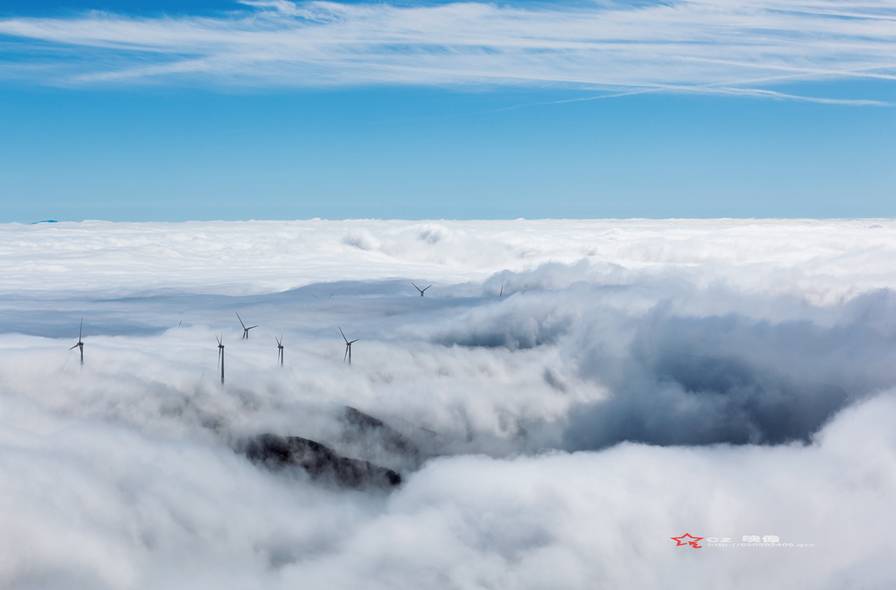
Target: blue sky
point(219, 110)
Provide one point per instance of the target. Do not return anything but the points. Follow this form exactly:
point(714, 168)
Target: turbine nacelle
point(347, 357)
point(80, 343)
point(221, 356)
point(419, 290)
point(245, 327)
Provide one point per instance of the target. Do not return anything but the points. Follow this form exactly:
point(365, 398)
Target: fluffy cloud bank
point(705, 46)
point(718, 378)
point(92, 505)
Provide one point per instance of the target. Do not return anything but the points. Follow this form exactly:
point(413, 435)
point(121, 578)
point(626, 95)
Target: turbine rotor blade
point(74, 346)
point(241, 320)
point(343, 335)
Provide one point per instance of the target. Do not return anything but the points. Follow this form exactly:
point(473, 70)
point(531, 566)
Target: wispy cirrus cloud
point(706, 46)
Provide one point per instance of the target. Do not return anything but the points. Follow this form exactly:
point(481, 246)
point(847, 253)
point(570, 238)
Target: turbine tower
point(221, 356)
point(348, 347)
point(80, 343)
point(423, 290)
point(245, 328)
point(280, 349)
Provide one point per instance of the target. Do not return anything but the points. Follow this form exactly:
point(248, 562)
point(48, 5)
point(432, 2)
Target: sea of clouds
point(580, 392)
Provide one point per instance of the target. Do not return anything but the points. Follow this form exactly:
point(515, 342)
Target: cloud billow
point(676, 376)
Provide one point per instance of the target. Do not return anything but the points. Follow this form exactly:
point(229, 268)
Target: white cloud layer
point(705, 46)
point(636, 380)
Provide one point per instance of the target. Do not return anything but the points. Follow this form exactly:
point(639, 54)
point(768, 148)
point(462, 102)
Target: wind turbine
point(501, 292)
point(348, 347)
point(221, 356)
point(80, 343)
point(245, 329)
point(423, 290)
point(280, 349)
